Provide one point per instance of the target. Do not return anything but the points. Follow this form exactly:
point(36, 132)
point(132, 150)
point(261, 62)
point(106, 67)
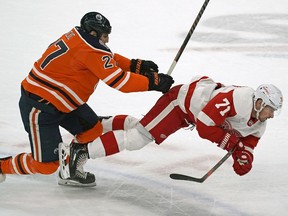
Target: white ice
point(240, 42)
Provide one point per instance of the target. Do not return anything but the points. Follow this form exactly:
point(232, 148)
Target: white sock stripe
point(107, 124)
point(96, 149)
point(14, 166)
point(121, 139)
point(25, 164)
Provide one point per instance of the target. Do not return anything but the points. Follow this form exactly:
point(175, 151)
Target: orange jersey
point(69, 70)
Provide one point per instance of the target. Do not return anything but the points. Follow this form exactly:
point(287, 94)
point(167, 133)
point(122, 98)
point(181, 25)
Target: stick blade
point(177, 176)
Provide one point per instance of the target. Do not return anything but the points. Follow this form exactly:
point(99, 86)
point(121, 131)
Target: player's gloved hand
point(228, 142)
point(159, 82)
point(143, 66)
point(243, 158)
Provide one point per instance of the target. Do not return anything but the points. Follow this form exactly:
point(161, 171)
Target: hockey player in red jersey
point(55, 92)
point(225, 115)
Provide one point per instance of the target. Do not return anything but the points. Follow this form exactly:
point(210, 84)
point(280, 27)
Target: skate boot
point(72, 158)
point(3, 176)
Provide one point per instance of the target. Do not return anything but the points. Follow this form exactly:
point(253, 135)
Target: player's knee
point(136, 138)
point(130, 122)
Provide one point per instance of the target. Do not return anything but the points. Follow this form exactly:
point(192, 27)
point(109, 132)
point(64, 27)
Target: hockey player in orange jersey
point(60, 83)
point(225, 115)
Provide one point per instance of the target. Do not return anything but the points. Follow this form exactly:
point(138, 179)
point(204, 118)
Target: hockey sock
point(24, 163)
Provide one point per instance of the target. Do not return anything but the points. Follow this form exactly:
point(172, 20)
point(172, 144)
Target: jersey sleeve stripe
point(111, 76)
point(117, 79)
point(124, 81)
point(205, 119)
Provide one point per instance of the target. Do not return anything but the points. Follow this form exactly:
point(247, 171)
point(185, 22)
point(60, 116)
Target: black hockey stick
point(201, 180)
point(187, 37)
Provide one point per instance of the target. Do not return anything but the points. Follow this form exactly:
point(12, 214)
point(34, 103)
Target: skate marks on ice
point(116, 193)
point(157, 196)
point(242, 33)
point(141, 180)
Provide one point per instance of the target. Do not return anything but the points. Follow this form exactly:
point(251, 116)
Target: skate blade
point(72, 183)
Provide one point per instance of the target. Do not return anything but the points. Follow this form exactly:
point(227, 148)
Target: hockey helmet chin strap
point(261, 108)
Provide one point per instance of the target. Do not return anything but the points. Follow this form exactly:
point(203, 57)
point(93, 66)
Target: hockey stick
point(187, 37)
point(212, 170)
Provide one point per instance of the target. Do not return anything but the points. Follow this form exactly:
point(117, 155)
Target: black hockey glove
point(159, 82)
point(143, 66)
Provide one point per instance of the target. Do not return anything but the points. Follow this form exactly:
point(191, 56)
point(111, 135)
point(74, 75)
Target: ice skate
point(72, 158)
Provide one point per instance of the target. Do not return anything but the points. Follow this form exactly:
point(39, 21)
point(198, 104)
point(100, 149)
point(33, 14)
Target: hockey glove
point(159, 82)
point(228, 142)
point(243, 159)
point(143, 66)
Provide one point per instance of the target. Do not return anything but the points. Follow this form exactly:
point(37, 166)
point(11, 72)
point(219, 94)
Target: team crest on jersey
point(251, 122)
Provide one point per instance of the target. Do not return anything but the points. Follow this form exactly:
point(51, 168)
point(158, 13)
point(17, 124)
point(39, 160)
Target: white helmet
point(270, 96)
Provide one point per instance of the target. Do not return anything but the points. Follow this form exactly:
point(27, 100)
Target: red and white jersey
point(217, 109)
point(69, 70)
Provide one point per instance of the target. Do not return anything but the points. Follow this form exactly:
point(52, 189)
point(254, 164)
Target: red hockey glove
point(159, 82)
point(243, 158)
point(143, 66)
point(228, 142)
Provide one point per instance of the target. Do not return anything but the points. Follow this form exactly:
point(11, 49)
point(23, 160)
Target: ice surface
point(236, 42)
